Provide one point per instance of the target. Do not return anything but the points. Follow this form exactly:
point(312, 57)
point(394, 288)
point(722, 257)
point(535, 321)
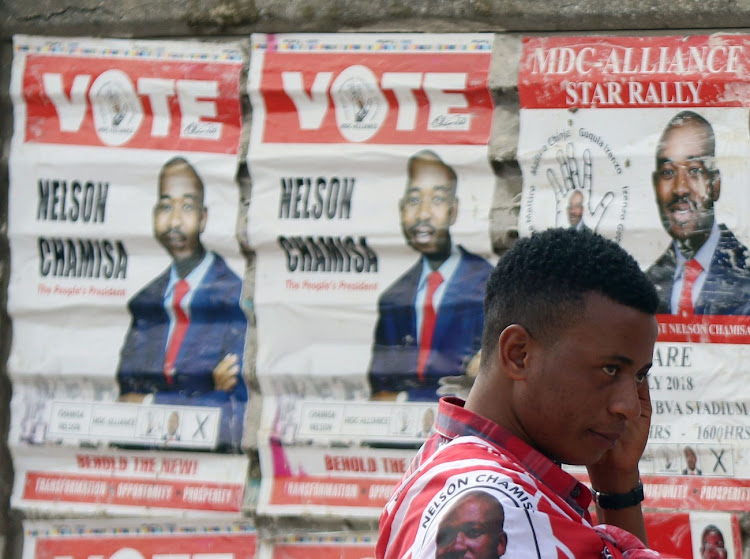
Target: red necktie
point(692, 271)
point(178, 332)
point(428, 323)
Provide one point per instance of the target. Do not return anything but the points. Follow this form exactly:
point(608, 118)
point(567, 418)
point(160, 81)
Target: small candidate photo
point(691, 462)
point(186, 338)
point(704, 270)
point(430, 319)
point(715, 535)
point(172, 430)
point(712, 543)
point(472, 528)
point(427, 426)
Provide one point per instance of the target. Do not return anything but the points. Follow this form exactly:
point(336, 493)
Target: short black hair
point(429, 156)
point(180, 164)
point(683, 118)
point(541, 281)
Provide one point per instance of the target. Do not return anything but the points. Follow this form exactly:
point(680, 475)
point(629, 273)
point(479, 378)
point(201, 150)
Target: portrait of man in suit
point(704, 269)
point(691, 463)
point(186, 339)
point(430, 319)
point(575, 211)
point(173, 426)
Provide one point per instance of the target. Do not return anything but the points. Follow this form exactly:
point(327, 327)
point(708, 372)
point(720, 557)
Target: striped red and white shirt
point(545, 509)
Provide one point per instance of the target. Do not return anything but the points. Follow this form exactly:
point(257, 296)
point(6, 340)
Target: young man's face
point(179, 215)
point(472, 530)
point(429, 208)
point(713, 546)
point(583, 385)
point(685, 183)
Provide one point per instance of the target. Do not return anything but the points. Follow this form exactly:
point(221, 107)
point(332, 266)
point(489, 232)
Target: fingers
point(225, 374)
point(556, 186)
point(586, 170)
point(131, 398)
point(565, 170)
point(603, 204)
point(573, 167)
point(228, 384)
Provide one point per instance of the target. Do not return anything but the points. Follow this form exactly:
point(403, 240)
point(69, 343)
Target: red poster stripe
point(334, 551)
point(693, 492)
point(137, 492)
point(710, 329)
point(332, 491)
point(284, 123)
point(44, 124)
point(634, 72)
point(239, 545)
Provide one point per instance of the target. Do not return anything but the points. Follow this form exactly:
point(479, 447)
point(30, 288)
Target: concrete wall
point(219, 19)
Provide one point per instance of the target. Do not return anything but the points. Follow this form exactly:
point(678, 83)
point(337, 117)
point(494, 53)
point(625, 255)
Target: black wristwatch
point(614, 501)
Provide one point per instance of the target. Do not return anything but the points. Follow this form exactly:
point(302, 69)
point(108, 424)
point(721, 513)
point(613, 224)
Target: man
point(712, 543)
point(575, 210)
point(568, 341)
point(704, 270)
point(472, 529)
point(187, 336)
point(430, 319)
point(173, 424)
point(691, 461)
point(428, 424)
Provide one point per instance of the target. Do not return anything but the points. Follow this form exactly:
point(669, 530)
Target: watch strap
point(614, 501)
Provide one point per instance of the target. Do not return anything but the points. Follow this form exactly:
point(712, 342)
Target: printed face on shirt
point(472, 529)
point(179, 215)
point(429, 207)
point(686, 184)
point(581, 387)
point(712, 546)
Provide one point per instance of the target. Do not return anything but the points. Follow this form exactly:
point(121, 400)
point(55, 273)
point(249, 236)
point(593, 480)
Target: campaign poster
point(334, 545)
point(370, 218)
point(339, 458)
point(645, 140)
point(81, 481)
point(120, 538)
point(125, 289)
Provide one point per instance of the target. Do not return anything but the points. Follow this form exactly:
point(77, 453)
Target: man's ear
point(454, 210)
point(513, 351)
point(204, 219)
point(715, 185)
point(502, 544)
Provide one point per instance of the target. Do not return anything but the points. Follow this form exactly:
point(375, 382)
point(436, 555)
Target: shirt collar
point(455, 421)
point(704, 254)
point(194, 277)
point(446, 269)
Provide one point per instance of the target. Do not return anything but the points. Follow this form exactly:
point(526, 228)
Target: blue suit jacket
point(457, 336)
point(217, 327)
point(727, 287)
